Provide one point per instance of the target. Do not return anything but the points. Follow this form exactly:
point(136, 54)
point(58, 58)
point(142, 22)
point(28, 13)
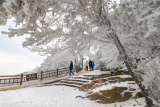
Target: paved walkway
point(24, 86)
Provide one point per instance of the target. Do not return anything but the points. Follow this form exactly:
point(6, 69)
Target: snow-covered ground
point(58, 96)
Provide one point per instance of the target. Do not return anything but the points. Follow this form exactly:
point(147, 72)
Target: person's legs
point(90, 68)
point(86, 68)
point(71, 72)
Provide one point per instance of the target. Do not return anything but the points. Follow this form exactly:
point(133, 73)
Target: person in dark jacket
point(71, 68)
point(90, 64)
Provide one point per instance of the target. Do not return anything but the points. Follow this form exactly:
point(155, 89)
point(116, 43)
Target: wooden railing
point(19, 79)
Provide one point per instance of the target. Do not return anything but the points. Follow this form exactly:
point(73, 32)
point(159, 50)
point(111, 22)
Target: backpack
point(93, 64)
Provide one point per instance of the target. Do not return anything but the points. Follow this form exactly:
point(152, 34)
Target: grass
point(110, 96)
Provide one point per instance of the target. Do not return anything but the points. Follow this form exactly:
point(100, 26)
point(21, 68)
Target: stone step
point(76, 80)
point(92, 76)
point(70, 85)
point(85, 78)
point(72, 82)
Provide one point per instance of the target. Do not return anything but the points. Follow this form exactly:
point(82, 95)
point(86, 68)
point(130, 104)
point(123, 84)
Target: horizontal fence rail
point(19, 79)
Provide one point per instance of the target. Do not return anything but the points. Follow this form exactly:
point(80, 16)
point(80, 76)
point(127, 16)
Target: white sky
point(13, 57)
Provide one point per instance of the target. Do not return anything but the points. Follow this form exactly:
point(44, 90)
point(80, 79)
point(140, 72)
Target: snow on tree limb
point(80, 25)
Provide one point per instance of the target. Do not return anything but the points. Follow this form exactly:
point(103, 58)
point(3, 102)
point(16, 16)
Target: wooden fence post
point(21, 79)
point(57, 72)
point(41, 75)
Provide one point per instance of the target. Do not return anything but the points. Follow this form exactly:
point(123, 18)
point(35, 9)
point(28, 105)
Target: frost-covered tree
point(128, 32)
point(141, 41)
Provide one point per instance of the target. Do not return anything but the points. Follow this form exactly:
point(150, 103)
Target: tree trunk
point(138, 79)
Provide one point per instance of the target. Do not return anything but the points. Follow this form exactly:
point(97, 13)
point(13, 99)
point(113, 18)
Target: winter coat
point(90, 63)
point(71, 66)
point(86, 64)
point(93, 64)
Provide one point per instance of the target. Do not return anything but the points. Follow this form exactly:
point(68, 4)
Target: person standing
point(71, 68)
point(90, 64)
point(93, 64)
point(86, 65)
